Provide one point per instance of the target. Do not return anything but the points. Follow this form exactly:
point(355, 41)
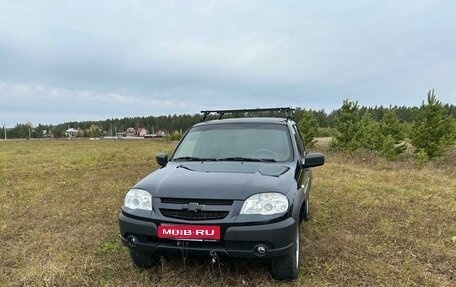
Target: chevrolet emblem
point(193, 206)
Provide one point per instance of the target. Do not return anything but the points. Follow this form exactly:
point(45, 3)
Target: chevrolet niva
point(236, 187)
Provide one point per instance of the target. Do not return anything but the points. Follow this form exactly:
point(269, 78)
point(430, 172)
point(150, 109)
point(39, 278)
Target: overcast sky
point(66, 61)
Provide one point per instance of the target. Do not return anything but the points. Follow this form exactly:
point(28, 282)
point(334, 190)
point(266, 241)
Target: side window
point(299, 141)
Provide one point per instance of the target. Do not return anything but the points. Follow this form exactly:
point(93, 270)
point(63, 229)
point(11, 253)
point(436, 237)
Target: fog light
point(132, 241)
point(261, 250)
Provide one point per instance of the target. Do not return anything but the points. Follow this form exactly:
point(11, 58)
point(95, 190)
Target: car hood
point(218, 180)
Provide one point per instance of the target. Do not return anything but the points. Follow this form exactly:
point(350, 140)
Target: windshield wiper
point(193, 158)
point(267, 159)
point(239, 158)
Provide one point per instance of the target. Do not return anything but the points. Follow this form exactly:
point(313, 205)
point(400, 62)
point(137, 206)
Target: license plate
point(189, 232)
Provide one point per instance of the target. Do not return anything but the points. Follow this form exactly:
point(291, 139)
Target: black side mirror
point(313, 159)
point(162, 158)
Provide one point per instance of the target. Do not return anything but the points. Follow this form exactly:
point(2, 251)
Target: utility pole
point(4, 129)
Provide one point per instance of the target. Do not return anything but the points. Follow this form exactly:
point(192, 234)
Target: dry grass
point(374, 223)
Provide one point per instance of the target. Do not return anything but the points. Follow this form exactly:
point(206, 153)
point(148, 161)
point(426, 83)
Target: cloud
point(180, 57)
point(27, 102)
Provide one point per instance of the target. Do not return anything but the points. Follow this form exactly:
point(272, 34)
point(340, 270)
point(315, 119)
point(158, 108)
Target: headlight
point(138, 199)
point(265, 204)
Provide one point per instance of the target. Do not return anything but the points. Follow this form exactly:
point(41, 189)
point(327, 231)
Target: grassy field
point(374, 223)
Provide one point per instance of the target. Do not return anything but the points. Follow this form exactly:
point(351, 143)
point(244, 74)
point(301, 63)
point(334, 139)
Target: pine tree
point(388, 148)
point(348, 125)
point(370, 135)
point(390, 125)
point(432, 130)
point(308, 126)
point(393, 135)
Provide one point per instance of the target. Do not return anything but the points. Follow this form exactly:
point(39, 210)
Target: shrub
point(387, 136)
point(388, 149)
point(390, 125)
point(433, 130)
point(326, 132)
point(348, 125)
point(370, 135)
point(308, 127)
point(174, 136)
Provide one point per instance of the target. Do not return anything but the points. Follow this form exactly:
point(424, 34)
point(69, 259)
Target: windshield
point(236, 142)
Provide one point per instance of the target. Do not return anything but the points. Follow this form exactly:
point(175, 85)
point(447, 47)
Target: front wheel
point(141, 259)
point(287, 268)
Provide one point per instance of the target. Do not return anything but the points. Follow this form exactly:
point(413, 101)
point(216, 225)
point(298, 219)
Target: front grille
point(201, 201)
point(191, 215)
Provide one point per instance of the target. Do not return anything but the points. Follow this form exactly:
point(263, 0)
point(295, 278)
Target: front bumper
point(238, 241)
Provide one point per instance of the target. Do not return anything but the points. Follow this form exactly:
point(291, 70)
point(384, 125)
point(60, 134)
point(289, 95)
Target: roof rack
point(287, 110)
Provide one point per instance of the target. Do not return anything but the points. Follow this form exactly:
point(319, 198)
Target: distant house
point(141, 132)
point(160, 134)
point(131, 132)
point(71, 132)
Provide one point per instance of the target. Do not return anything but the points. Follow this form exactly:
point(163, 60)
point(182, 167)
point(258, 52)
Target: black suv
point(235, 187)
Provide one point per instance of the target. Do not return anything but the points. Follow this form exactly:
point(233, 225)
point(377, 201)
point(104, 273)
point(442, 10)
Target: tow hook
point(214, 256)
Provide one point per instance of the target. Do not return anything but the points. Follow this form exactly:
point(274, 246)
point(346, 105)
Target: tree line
point(430, 128)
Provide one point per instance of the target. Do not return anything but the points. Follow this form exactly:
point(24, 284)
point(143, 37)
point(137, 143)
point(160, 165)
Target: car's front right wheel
point(141, 259)
point(287, 268)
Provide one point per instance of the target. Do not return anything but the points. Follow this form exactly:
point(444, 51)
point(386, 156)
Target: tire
point(287, 268)
point(141, 259)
